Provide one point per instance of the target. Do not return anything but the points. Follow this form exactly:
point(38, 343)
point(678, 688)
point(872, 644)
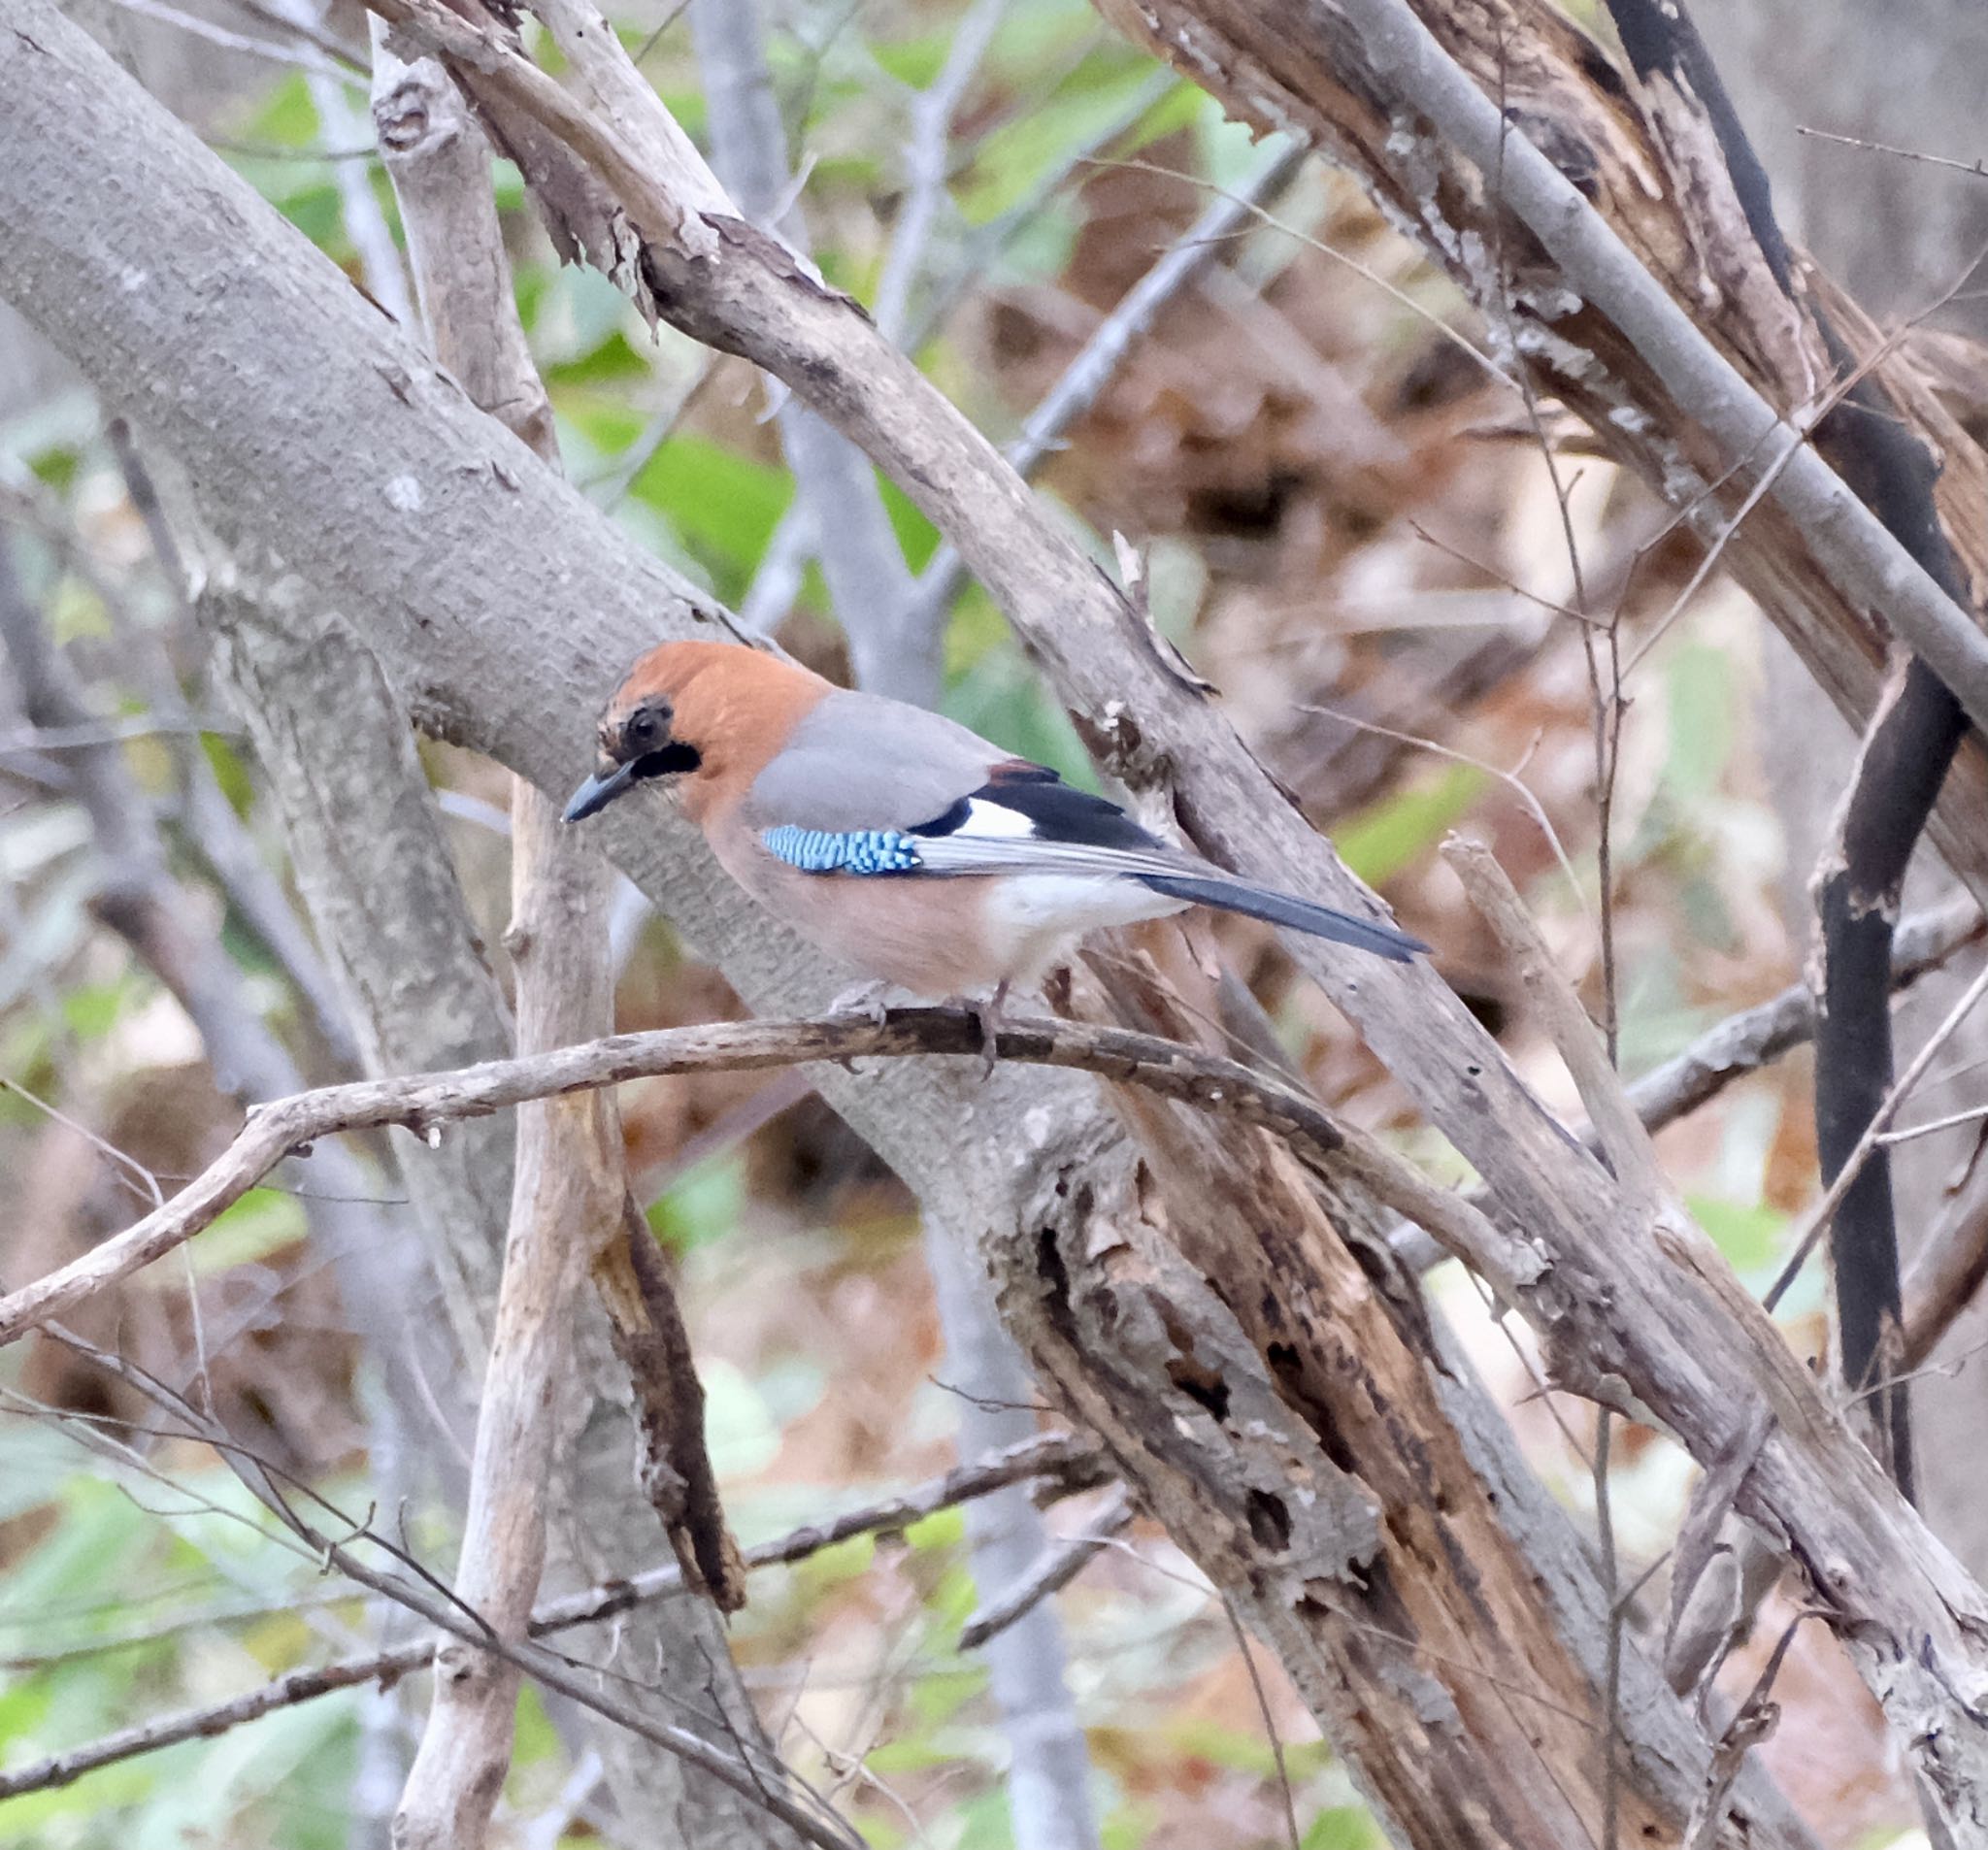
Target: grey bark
point(869, 583)
point(1900, 233)
point(895, 643)
point(454, 546)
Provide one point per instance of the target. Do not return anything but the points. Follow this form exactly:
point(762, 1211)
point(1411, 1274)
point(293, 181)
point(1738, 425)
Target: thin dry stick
point(1509, 778)
point(1082, 383)
point(565, 1199)
point(1270, 1724)
point(1057, 1567)
point(1800, 428)
point(426, 1103)
point(1620, 1130)
point(1755, 1036)
point(1977, 166)
point(433, 1600)
point(1816, 1223)
point(1067, 1464)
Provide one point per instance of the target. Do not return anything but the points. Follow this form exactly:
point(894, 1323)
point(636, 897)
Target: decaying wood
point(1299, 1426)
point(452, 545)
point(1606, 1292)
point(1656, 183)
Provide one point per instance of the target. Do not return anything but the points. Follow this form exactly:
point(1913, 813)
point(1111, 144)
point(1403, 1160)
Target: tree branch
point(440, 513)
point(425, 1103)
point(1060, 1462)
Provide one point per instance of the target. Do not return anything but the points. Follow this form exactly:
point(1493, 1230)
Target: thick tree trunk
point(1335, 1486)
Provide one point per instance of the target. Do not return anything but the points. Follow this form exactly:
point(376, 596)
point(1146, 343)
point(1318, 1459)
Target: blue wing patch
point(835, 851)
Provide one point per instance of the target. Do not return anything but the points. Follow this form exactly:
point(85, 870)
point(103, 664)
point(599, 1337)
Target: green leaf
point(723, 507)
point(1749, 1236)
point(611, 361)
point(237, 784)
point(1395, 832)
point(703, 1207)
point(916, 537)
point(1344, 1828)
point(1016, 157)
point(943, 1528)
point(744, 1437)
point(264, 1221)
point(1699, 682)
point(91, 1009)
point(287, 117)
point(1000, 698)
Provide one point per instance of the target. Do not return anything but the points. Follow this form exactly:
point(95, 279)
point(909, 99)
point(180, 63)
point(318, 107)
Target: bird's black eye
point(642, 728)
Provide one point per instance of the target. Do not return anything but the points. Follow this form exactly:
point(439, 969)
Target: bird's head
point(699, 717)
point(638, 736)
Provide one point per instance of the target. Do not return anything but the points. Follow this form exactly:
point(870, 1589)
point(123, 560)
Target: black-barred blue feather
point(842, 851)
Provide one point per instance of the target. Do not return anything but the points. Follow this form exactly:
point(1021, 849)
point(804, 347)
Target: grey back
point(859, 761)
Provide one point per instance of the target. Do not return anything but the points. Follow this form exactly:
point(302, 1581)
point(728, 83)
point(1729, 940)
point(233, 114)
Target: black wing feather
point(1059, 812)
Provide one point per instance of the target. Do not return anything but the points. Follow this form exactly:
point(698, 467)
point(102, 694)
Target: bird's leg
point(865, 1001)
point(988, 1012)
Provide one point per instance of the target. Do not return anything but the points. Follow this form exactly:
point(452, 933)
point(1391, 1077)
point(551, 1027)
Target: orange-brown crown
point(732, 706)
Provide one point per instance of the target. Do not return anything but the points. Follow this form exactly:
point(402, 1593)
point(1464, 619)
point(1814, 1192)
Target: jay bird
point(907, 848)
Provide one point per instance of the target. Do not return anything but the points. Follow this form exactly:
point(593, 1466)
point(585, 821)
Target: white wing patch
point(994, 822)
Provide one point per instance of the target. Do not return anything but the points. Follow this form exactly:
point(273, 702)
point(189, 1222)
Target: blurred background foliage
point(1349, 530)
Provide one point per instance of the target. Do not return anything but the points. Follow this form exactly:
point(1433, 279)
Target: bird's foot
point(862, 998)
point(988, 1012)
point(865, 1002)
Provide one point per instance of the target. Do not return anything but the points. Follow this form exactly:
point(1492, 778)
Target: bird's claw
point(987, 1014)
point(865, 1001)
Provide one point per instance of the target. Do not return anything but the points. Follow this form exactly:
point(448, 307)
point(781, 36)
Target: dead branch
point(1054, 1199)
point(1062, 1464)
point(1759, 1036)
point(425, 1103)
point(753, 1773)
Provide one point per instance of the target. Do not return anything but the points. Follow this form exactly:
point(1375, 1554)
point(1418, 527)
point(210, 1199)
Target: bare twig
point(1978, 166)
point(1948, 1270)
point(425, 1103)
point(1057, 1567)
point(1759, 1036)
point(1843, 536)
point(1067, 1464)
point(1084, 380)
point(756, 1777)
point(345, 70)
point(1270, 1724)
point(569, 1182)
point(926, 160)
point(1815, 1223)
point(1624, 1141)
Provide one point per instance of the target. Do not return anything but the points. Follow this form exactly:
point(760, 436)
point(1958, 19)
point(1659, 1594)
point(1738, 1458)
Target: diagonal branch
point(1062, 1464)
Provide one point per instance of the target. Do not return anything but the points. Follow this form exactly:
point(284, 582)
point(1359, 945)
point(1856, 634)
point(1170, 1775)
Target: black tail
point(1281, 909)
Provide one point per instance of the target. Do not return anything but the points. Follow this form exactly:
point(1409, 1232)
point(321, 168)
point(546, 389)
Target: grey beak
point(597, 791)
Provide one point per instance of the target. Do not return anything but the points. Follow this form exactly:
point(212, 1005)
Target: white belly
point(1032, 918)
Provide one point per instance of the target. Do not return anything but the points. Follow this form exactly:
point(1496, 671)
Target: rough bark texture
point(338, 757)
point(570, 1209)
point(1907, 74)
point(456, 545)
point(561, 1206)
point(1650, 168)
point(567, 1180)
point(1913, 735)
